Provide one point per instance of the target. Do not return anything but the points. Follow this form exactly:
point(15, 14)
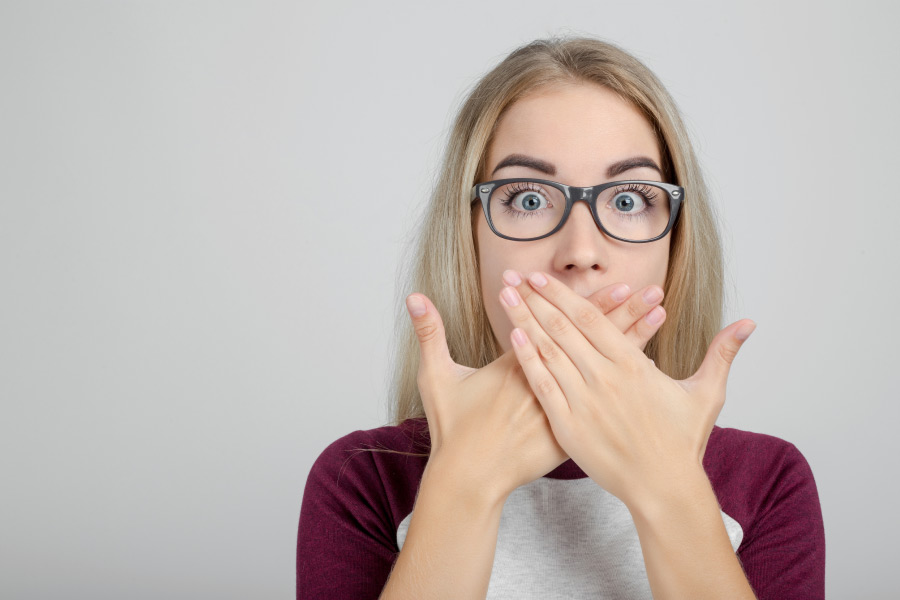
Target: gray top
point(568, 539)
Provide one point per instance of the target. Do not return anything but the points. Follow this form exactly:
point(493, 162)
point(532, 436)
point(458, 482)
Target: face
point(579, 131)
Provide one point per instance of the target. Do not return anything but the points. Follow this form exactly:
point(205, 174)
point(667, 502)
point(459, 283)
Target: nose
point(581, 245)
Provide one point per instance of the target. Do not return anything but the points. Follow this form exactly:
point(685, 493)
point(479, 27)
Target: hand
point(630, 427)
point(624, 311)
point(488, 419)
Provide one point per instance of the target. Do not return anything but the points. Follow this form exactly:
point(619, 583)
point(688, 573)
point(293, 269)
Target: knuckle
point(545, 386)
point(547, 350)
point(557, 324)
point(727, 352)
point(426, 331)
point(635, 310)
point(521, 317)
point(531, 357)
point(586, 316)
point(603, 303)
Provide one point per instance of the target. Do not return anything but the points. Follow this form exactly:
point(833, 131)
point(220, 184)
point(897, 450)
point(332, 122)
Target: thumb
point(716, 365)
point(429, 328)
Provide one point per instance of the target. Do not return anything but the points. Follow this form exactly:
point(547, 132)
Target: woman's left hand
point(631, 428)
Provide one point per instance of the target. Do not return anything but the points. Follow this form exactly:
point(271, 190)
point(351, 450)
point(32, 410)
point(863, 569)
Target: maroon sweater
point(561, 535)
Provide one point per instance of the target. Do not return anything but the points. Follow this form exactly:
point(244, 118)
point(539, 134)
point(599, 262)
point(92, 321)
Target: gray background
point(204, 207)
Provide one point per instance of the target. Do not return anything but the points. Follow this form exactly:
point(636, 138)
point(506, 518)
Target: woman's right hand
point(486, 426)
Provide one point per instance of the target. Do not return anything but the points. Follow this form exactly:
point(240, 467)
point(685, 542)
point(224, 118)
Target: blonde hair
point(446, 263)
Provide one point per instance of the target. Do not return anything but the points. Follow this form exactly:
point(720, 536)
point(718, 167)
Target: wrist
point(686, 489)
point(686, 547)
point(444, 475)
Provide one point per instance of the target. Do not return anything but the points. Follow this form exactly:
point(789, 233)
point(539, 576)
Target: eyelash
point(645, 191)
point(514, 191)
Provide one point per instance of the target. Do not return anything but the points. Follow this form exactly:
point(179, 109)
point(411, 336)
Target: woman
point(554, 430)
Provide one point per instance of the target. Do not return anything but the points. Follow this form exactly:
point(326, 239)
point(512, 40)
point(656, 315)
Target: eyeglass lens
point(526, 209)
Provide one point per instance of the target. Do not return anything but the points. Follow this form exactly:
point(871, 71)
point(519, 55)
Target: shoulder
point(360, 448)
point(729, 448)
point(755, 475)
point(381, 466)
point(746, 458)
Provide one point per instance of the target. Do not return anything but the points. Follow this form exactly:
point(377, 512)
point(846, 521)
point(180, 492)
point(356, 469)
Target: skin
point(575, 384)
point(581, 129)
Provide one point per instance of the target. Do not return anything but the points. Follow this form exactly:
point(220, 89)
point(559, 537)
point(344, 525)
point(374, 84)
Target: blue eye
point(528, 201)
point(625, 202)
point(633, 200)
point(525, 199)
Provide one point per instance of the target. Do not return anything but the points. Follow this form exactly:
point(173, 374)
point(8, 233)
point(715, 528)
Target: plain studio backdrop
point(204, 208)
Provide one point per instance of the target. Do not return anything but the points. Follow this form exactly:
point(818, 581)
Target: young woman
point(553, 432)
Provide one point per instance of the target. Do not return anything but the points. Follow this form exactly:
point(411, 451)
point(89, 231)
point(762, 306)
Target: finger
point(542, 382)
point(713, 371)
point(644, 329)
point(630, 312)
point(605, 337)
point(558, 361)
point(434, 355)
point(608, 298)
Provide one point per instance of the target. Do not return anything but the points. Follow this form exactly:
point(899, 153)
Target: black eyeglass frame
point(574, 194)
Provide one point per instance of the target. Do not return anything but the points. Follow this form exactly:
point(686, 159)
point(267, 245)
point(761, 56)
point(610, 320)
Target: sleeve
point(783, 554)
point(346, 542)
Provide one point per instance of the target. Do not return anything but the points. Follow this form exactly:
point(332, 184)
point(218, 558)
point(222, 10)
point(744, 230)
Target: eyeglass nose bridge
point(584, 194)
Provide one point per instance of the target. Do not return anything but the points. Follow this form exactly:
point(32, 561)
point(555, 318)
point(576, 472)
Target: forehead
point(581, 128)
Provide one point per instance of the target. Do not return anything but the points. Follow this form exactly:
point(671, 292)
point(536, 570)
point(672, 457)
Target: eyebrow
point(615, 169)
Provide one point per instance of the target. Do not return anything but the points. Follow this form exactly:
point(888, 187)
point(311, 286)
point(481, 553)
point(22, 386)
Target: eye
point(628, 202)
point(529, 201)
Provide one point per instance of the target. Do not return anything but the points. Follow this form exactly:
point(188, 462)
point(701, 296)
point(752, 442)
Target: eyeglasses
point(530, 209)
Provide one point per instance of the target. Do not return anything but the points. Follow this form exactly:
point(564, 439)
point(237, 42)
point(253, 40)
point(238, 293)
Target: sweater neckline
point(567, 470)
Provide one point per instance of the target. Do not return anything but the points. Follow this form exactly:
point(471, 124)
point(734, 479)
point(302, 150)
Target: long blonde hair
point(446, 265)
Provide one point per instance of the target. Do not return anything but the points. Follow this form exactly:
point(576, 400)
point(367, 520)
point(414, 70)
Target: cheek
point(639, 267)
point(490, 266)
point(664, 261)
point(661, 265)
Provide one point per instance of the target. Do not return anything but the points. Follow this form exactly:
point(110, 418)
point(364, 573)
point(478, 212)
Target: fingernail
point(512, 278)
point(652, 295)
point(655, 316)
point(620, 292)
point(511, 296)
point(538, 279)
point(744, 332)
point(519, 337)
point(415, 306)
